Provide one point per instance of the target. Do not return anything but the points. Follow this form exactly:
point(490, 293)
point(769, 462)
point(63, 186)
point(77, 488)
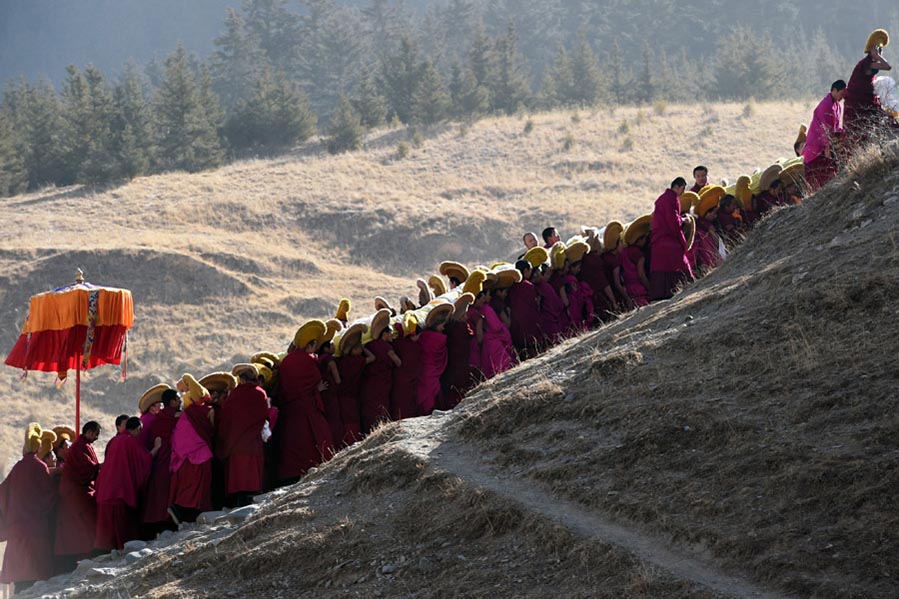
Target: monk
point(700, 178)
point(377, 380)
point(27, 502)
point(327, 363)
point(707, 239)
point(669, 266)
point(456, 379)
point(120, 487)
point(524, 314)
point(633, 265)
point(819, 153)
point(304, 435)
point(434, 358)
point(120, 421)
point(550, 237)
point(404, 401)
point(154, 512)
point(190, 492)
point(554, 319)
point(238, 441)
point(351, 366)
point(611, 260)
point(76, 516)
point(493, 337)
point(862, 113)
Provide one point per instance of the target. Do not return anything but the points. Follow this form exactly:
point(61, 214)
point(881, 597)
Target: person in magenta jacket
point(669, 266)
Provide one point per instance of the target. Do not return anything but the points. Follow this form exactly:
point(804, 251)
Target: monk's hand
point(157, 443)
point(323, 385)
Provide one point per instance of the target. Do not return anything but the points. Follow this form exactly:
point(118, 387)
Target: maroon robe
point(431, 363)
point(524, 312)
point(27, 501)
point(192, 483)
point(238, 441)
point(554, 320)
point(120, 486)
point(304, 435)
point(669, 265)
point(457, 377)
point(156, 502)
point(376, 382)
point(593, 273)
point(331, 398)
point(76, 516)
point(862, 112)
point(404, 389)
point(351, 369)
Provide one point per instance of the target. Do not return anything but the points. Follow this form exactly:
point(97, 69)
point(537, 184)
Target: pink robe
point(496, 345)
point(191, 461)
point(706, 244)
point(434, 357)
point(27, 500)
point(630, 257)
point(554, 319)
point(669, 246)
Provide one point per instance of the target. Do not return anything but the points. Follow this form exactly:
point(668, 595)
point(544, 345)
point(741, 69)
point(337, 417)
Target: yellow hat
point(793, 174)
point(48, 438)
point(490, 280)
point(343, 309)
point(151, 396)
point(557, 255)
point(506, 276)
point(350, 337)
point(437, 285)
point(219, 381)
point(331, 327)
point(742, 192)
point(439, 314)
point(406, 305)
point(32, 438)
point(536, 256)
point(195, 391)
point(409, 323)
point(576, 250)
point(474, 284)
point(247, 370)
point(454, 270)
point(63, 433)
point(878, 38)
point(688, 226)
point(381, 303)
point(591, 236)
point(637, 229)
point(379, 322)
point(266, 373)
point(261, 357)
point(688, 199)
point(800, 139)
point(310, 332)
point(771, 174)
point(460, 306)
point(611, 235)
point(708, 199)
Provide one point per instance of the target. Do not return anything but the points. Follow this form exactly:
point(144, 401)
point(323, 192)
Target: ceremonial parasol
point(75, 327)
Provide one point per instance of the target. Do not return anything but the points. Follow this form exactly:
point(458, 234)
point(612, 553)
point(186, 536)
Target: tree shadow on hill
point(63, 193)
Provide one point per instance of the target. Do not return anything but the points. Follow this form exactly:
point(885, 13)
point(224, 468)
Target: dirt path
point(427, 441)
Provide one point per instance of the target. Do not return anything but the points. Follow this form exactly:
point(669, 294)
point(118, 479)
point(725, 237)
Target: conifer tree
point(646, 87)
point(277, 115)
point(77, 127)
point(36, 117)
point(345, 130)
point(511, 88)
point(619, 81)
point(481, 58)
point(188, 139)
point(99, 164)
point(586, 79)
point(558, 88)
point(400, 74)
point(132, 127)
point(385, 22)
point(369, 103)
point(274, 29)
point(431, 102)
point(468, 98)
point(13, 177)
point(236, 62)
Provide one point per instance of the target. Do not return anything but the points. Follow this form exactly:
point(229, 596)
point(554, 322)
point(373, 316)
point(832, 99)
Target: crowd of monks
point(216, 441)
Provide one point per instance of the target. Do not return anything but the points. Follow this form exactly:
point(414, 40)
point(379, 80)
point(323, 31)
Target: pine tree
point(469, 99)
point(619, 81)
point(586, 79)
point(385, 22)
point(431, 102)
point(13, 177)
point(400, 73)
point(369, 103)
point(36, 117)
point(99, 164)
point(236, 62)
point(558, 88)
point(188, 139)
point(276, 115)
point(345, 131)
point(646, 88)
point(273, 29)
point(511, 89)
point(132, 127)
point(747, 66)
point(481, 58)
point(77, 131)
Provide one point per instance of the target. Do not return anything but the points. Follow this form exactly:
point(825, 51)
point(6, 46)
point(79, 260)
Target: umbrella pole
point(78, 396)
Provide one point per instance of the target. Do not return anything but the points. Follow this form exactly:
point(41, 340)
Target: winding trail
point(426, 439)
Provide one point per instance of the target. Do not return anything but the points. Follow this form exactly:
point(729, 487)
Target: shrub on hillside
point(345, 131)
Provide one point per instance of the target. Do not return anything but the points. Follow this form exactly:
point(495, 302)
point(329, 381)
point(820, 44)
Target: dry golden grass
point(228, 262)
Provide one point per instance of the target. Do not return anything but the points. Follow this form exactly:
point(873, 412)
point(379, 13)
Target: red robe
point(156, 503)
point(457, 377)
point(431, 364)
point(238, 442)
point(303, 431)
point(331, 398)
point(669, 246)
point(554, 319)
point(524, 312)
point(404, 389)
point(120, 486)
point(27, 501)
point(351, 368)
point(191, 482)
point(76, 516)
point(376, 382)
point(496, 346)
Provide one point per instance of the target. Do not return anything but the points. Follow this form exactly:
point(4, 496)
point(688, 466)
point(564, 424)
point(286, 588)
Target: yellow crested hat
point(576, 250)
point(310, 332)
point(506, 276)
point(350, 337)
point(219, 381)
point(536, 256)
point(688, 226)
point(460, 306)
point(195, 391)
point(266, 373)
point(437, 285)
point(801, 137)
point(474, 284)
point(611, 235)
point(454, 270)
point(32, 438)
point(48, 438)
point(771, 174)
point(688, 199)
point(409, 323)
point(381, 303)
point(878, 38)
point(151, 396)
point(331, 327)
point(708, 199)
point(379, 322)
point(742, 191)
point(557, 255)
point(439, 314)
point(343, 309)
point(63, 433)
point(248, 370)
point(637, 229)
point(793, 174)
point(261, 357)
point(406, 305)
